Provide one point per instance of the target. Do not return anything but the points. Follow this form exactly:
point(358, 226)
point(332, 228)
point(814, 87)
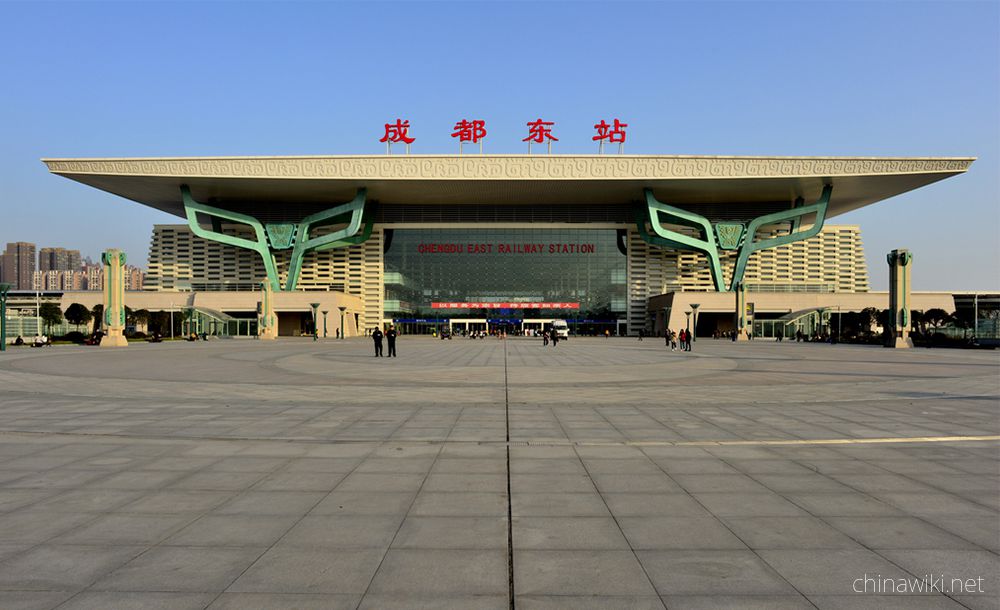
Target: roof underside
point(740, 182)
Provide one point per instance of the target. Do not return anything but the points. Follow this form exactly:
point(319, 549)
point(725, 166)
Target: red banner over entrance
point(495, 305)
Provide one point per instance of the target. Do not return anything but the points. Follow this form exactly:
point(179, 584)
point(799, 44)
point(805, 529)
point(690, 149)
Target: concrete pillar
point(899, 298)
point(742, 320)
point(267, 322)
point(114, 299)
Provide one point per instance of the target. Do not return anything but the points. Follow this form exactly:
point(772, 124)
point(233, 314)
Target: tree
point(886, 321)
point(869, 319)
point(78, 314)
point(50, 315)
point(962, 318)
point(98, 312)
point(936, 317)
point(140, 317)
point(159, 321)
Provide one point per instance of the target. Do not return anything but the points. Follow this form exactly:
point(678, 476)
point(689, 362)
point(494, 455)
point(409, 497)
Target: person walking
point(555, 337)
point(545, 338)
point(377, 338)
point(390, 336)
point(673, 340)
point(687, 341)
point(641, 333)
point(666, 337)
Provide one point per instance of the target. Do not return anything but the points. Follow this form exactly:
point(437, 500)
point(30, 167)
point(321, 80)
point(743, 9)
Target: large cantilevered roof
point(508, 179)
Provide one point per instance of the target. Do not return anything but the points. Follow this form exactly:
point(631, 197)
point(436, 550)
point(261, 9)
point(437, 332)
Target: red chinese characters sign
point(496, 305)
point(539, 131)
point(611, 133)
point(469, 131)
point(474, 131)
point(398, 132)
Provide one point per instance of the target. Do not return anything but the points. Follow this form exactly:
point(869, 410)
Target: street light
point(975, 316)
point(4, 287)
point(694, 307)
point(688, 314)
point(324, 312)
point(342, 309)
point(315, 308)
point(171, 320)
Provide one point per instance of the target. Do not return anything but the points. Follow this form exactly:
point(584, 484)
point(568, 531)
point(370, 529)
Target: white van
point(560, 328)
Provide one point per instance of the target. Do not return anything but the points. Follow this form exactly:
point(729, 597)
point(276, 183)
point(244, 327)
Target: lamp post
point(688, 314)
point(171, 320)
point(975, 316)
point(324, 312)
point(342, 309)
point(4, 287)
point(315, 308)
point(694, 307)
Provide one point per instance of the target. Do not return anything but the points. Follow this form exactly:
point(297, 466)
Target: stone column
point(267, 322)
point(114, 299)
point(742, 322)
point(899, 298)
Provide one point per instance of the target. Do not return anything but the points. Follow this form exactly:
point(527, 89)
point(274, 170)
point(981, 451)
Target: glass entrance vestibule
point(509, 326)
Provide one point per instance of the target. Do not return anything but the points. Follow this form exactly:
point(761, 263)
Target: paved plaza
point(603, 473)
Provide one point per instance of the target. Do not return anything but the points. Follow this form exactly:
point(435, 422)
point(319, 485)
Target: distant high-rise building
point(58, 259)
point(133, 277)
point(19, 265)
point(74, 280)
point(53, 280)
point(95, 277)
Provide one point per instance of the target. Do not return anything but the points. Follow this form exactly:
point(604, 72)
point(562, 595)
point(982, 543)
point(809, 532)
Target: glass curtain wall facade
point(581, 268)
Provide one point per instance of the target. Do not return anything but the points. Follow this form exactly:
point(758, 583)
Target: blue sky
point(745, 78)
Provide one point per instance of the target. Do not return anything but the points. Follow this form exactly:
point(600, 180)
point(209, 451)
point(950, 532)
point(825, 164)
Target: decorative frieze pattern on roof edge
point(506, 168)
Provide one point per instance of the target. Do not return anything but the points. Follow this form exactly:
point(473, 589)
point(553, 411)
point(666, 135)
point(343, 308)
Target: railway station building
point(611, 243)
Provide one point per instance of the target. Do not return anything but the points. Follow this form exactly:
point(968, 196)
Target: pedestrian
point(607, 333)
point(673, 340)
point(687, 340)
point(641, 333)
point(390, 336)
point(555, 337)
point(377, 338)
point(545, 338)
point(666, 337)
